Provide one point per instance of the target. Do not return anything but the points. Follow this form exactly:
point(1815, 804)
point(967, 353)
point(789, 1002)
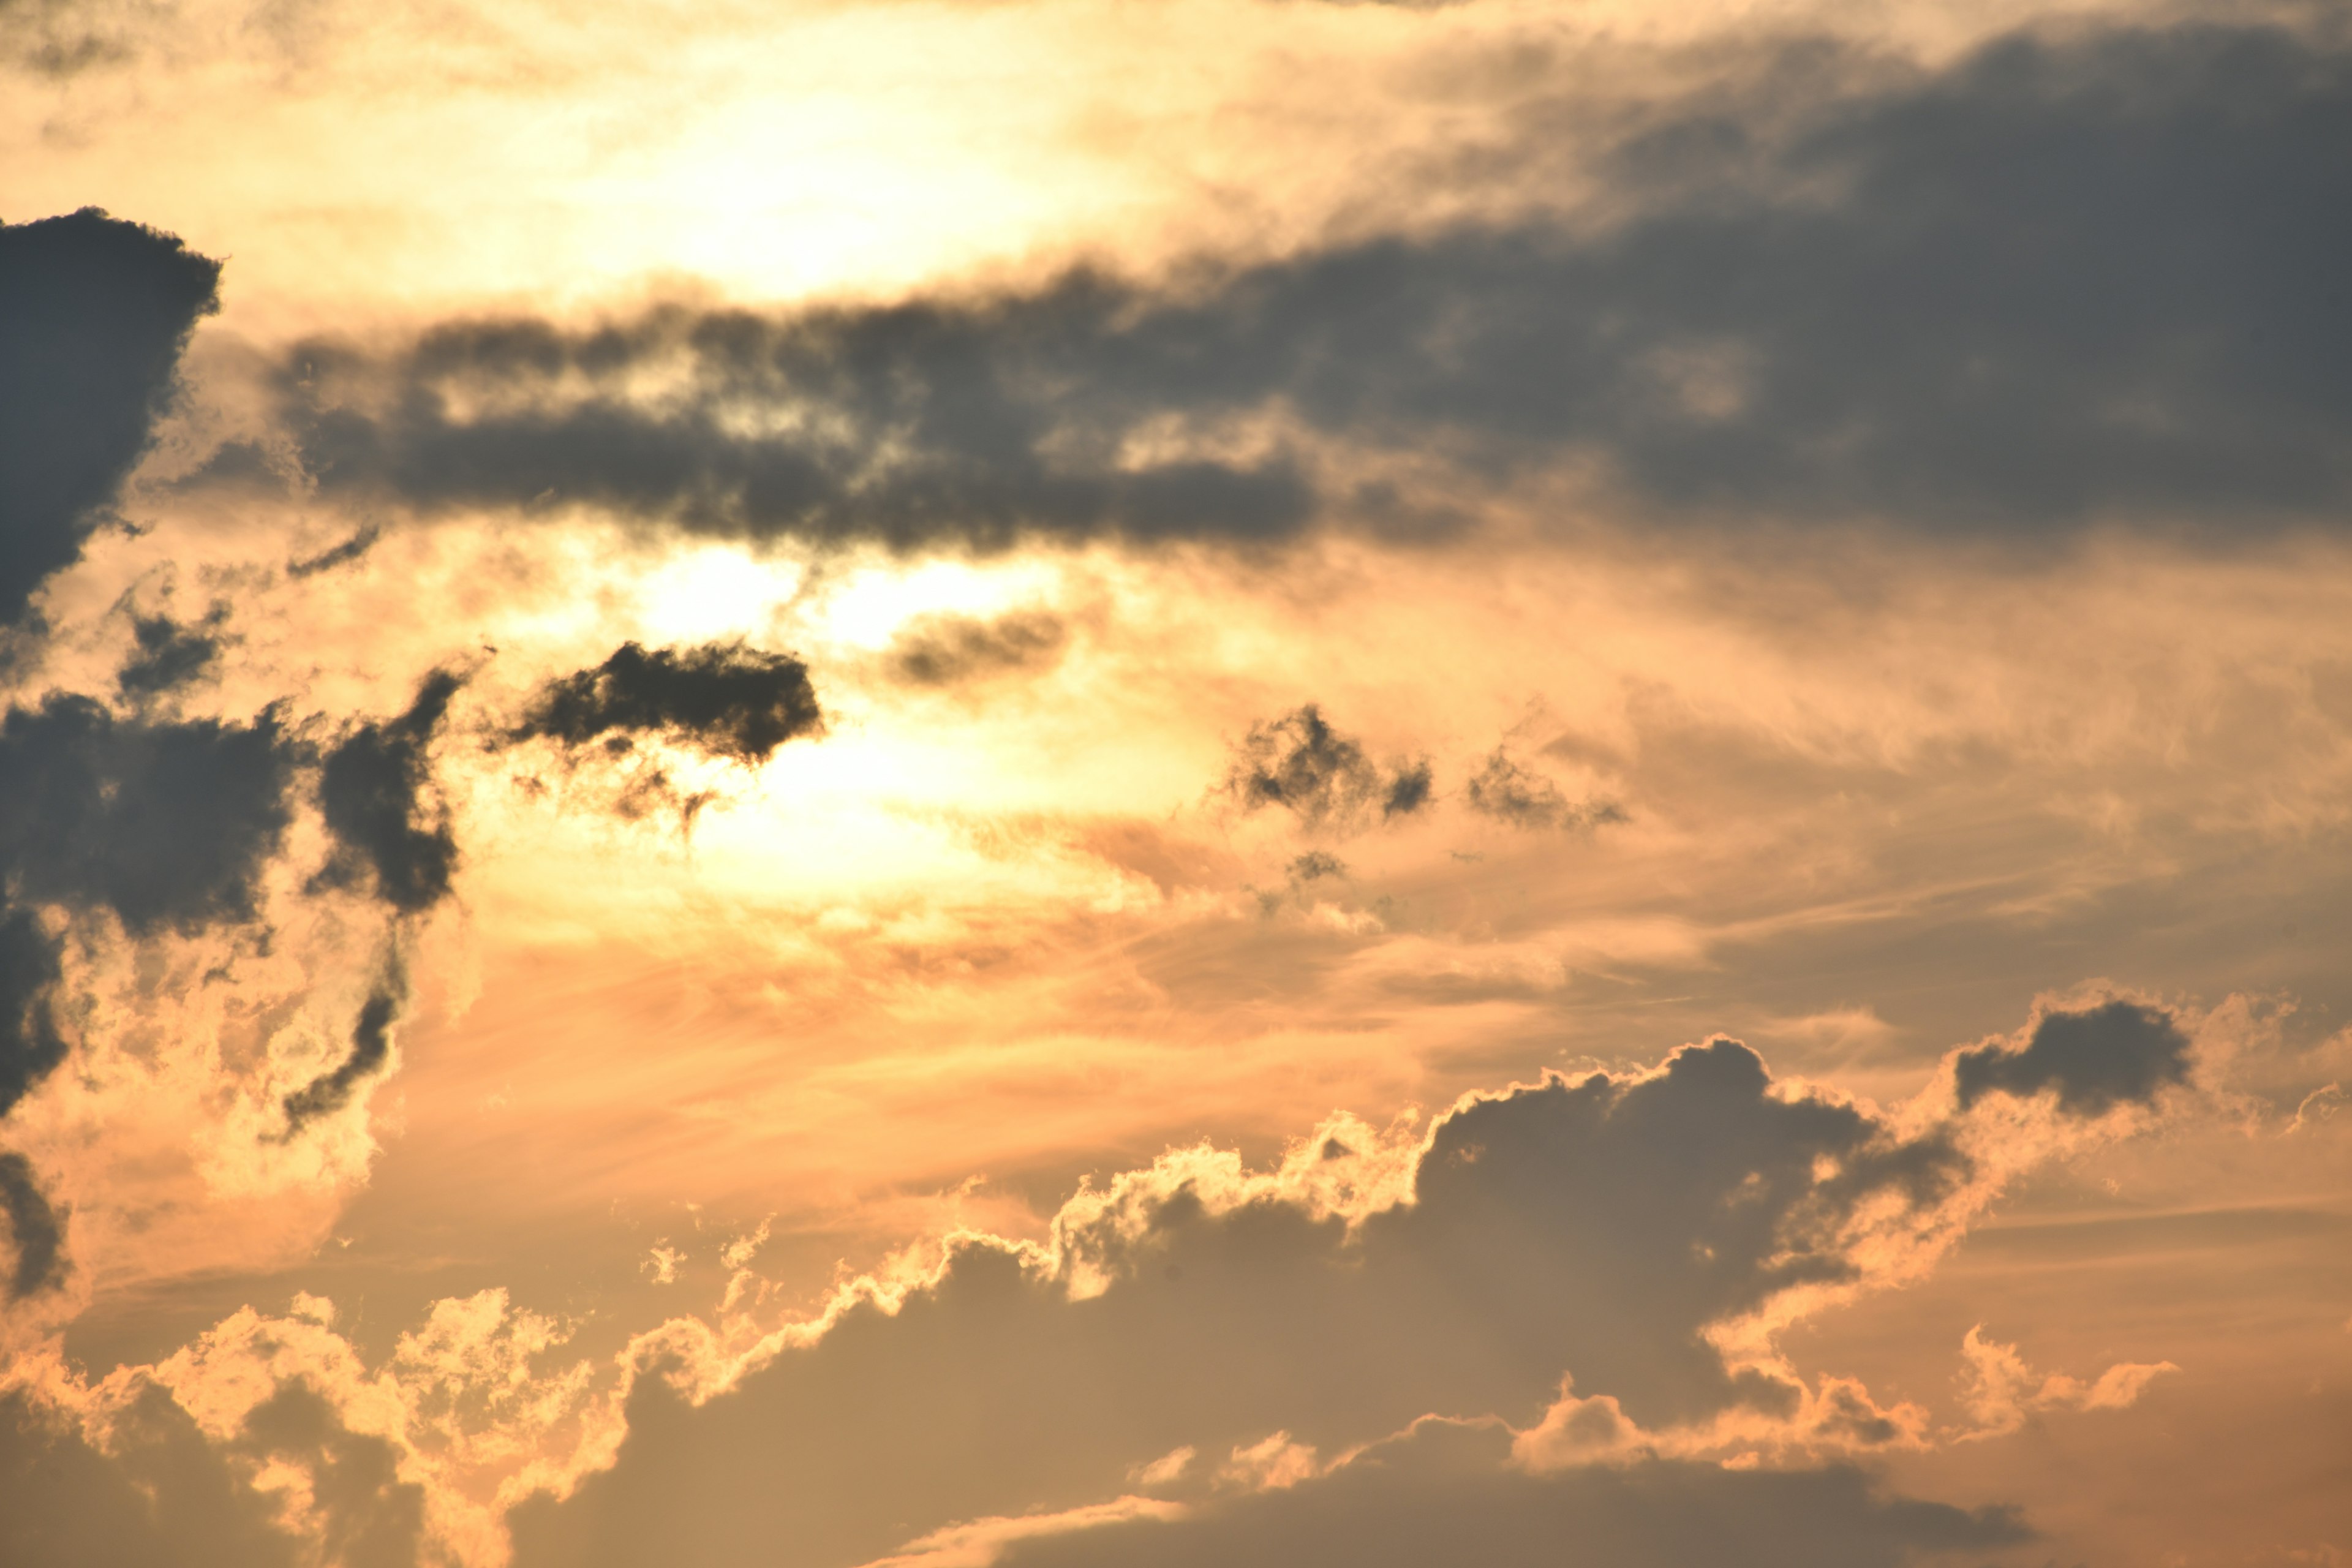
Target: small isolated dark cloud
point(168, 823)
point(726, 698)
point(1509, 791)
point(2119, 1053)
point(370, 1048)
point(947, 650)
point(374, 791)
point(342, 554)
point(169, 656)
point(2055, 282)
point(93, 316)
point(35, 1229)
point(1300, 763)
point(1448, 1493)
point(30, 1046)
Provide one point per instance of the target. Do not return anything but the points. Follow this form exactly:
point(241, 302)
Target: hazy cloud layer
point(2058, 281)
point(93, 315)
point(1449, 1494)
point(724, 698)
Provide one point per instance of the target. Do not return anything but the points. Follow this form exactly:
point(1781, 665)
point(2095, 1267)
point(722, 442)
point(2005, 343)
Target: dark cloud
point(163, 1495)
point(166, 824)
point(2055, 281)
point(1299, 762)
point(30, 1046)
point(729, 700)
point(1449, 1494)
point(947, 650)
point(1593, 1227)
point(35, 1228)
point(371, 1048)
point(169, 655)
point(93, 315)
point(2098, 1058)
point(167, 1499)
point(342, 554)
point(1509, 791)
point(375, 789)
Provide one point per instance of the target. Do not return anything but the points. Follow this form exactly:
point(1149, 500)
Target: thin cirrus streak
point(1239, 782)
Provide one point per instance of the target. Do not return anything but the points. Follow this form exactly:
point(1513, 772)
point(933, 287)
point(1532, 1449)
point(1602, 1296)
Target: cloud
point(2096, 1058)
point(1803, 309)
point(167, 1499)
point(1322, 776)
point(947, 650)
point(1610, 1227)
point(726, 698)
point(169, 656)
point(30, 1046)
point(2003, 1393)
point(1448, 1493)
point(166, 824)
point(1509, 792)
point(35, 1228)
point(373, 790)
point(370, 1048)
point(93, 316)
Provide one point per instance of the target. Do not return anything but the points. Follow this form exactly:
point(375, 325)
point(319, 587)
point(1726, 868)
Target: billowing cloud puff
point(724, 698)
point(1619, 1230)
point(93, 316)
point(1804, 311)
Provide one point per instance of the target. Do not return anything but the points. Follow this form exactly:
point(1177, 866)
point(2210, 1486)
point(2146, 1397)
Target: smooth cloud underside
point(95, 314)
point(2056, 284)
point(1449, 1494)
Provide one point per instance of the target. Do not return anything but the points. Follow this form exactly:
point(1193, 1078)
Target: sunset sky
point(1136, 782)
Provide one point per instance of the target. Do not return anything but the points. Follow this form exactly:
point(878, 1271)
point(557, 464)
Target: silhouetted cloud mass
point(163, 1495)
point(2057, 281)
point(166, 824)
point(374, 789)
point(1300, 763)
point(35, 1229)
point(1592, 1228)
point(2096, 1060)
point(728, 699)
point(30, 1046)
point(93, 315)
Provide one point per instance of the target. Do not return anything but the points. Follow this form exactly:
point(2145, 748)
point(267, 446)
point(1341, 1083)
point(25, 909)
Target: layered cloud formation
point(656, 842)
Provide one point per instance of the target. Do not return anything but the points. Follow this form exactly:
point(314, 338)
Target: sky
point(988, 783)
